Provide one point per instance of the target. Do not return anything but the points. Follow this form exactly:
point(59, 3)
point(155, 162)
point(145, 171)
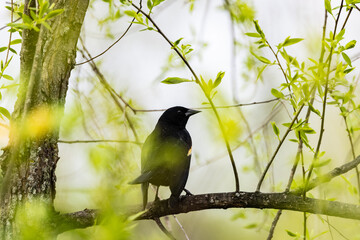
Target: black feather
point(166, 154)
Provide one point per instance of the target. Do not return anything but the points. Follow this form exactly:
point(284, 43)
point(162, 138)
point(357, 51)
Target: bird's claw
point(188, 193)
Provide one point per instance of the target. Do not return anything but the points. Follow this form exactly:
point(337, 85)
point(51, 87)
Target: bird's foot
point(173, 202)
point(188, 193)
point(157, 199)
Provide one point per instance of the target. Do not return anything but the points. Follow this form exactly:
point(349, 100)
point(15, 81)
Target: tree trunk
point(28, 163)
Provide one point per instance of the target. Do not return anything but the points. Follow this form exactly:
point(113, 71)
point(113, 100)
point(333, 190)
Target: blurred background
point(95, 175)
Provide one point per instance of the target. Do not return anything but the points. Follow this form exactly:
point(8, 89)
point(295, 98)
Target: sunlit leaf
point(328, 6)
point(275, 129)
point(54, 13)
point(255, 35)
point(218, 79)
point(292, 41)
point(291, 234)
point(16, 41)
point(346, 58)
point(261, 59)
point(175, 80)
point(277, 93)
point(8, 77)
point(350, 44)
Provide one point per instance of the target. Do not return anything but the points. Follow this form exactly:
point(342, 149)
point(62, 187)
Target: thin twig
point(98, 141)
point(352, 152)
point(203, 108)
point(357, 7)
point(16, 20)
point(100, 54)
point(347, 18)
point(181, 227)
point(162, 227)
point(273, 225)
point(277, 149)
point(327, 220)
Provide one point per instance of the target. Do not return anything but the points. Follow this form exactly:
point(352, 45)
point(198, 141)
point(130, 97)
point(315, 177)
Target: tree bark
point(28, 163)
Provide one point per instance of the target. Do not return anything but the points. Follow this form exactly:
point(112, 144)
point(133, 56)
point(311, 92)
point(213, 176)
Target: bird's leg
point(188, 193)
point(156, 194)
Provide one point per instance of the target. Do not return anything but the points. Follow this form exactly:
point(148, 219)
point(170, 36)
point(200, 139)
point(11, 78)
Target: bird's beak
point(190, 112)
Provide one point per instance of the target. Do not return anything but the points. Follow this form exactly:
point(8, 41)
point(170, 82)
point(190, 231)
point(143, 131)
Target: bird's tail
point(144, 177)
point(144, 188)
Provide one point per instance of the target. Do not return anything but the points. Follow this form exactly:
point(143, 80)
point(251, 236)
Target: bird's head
point(177, 116)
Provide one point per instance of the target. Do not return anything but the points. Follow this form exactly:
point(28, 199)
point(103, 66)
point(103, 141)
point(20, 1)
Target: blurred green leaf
point(350, 44)
point(346, 58)
point(292, 234)
point(291, 41)
point(261, 59)
point(255, 35)
point(275, 129)
point(5, 112)
point(8, 77)
point(328, 6)
point(54, 13)
point(277, 93)
point(175, 80)
point(16, 41)
point(218, 79)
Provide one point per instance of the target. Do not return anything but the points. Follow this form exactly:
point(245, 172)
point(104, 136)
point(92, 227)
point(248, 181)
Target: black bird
point(165, 155)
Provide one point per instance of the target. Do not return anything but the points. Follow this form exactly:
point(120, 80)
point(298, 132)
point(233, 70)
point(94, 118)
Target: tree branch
point(285, 201)
point(81, 219)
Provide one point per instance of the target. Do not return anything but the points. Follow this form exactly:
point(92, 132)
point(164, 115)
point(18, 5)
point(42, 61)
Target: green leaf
point(178, 41)
point(45, 24)
point(135, 15)
point(218, 79)
point(322, 163)
point(54, 13)
point(346, 58)
point(255, 35)
point(277, 93)
point(8, 77)
point(2, 49)
point(5, 112)
point(16, 41)
point(261, 59)
point(346, 71)
point(130, 13)
point(149, 4)
point(12, 50)
point(157, 2)
point(350, 44)
point(175, 80)
point(314, 110)
point(258, 29)
point(291, 41)
point(275, 129)
point(251, 225)
point(261, 70)
point(340, 35)
point(328, 6)
point(291, 234)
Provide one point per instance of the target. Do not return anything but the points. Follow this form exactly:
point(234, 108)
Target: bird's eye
point(178, 111)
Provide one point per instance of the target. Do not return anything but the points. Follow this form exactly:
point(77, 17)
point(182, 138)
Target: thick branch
point(285, 201)
point(80, 219)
